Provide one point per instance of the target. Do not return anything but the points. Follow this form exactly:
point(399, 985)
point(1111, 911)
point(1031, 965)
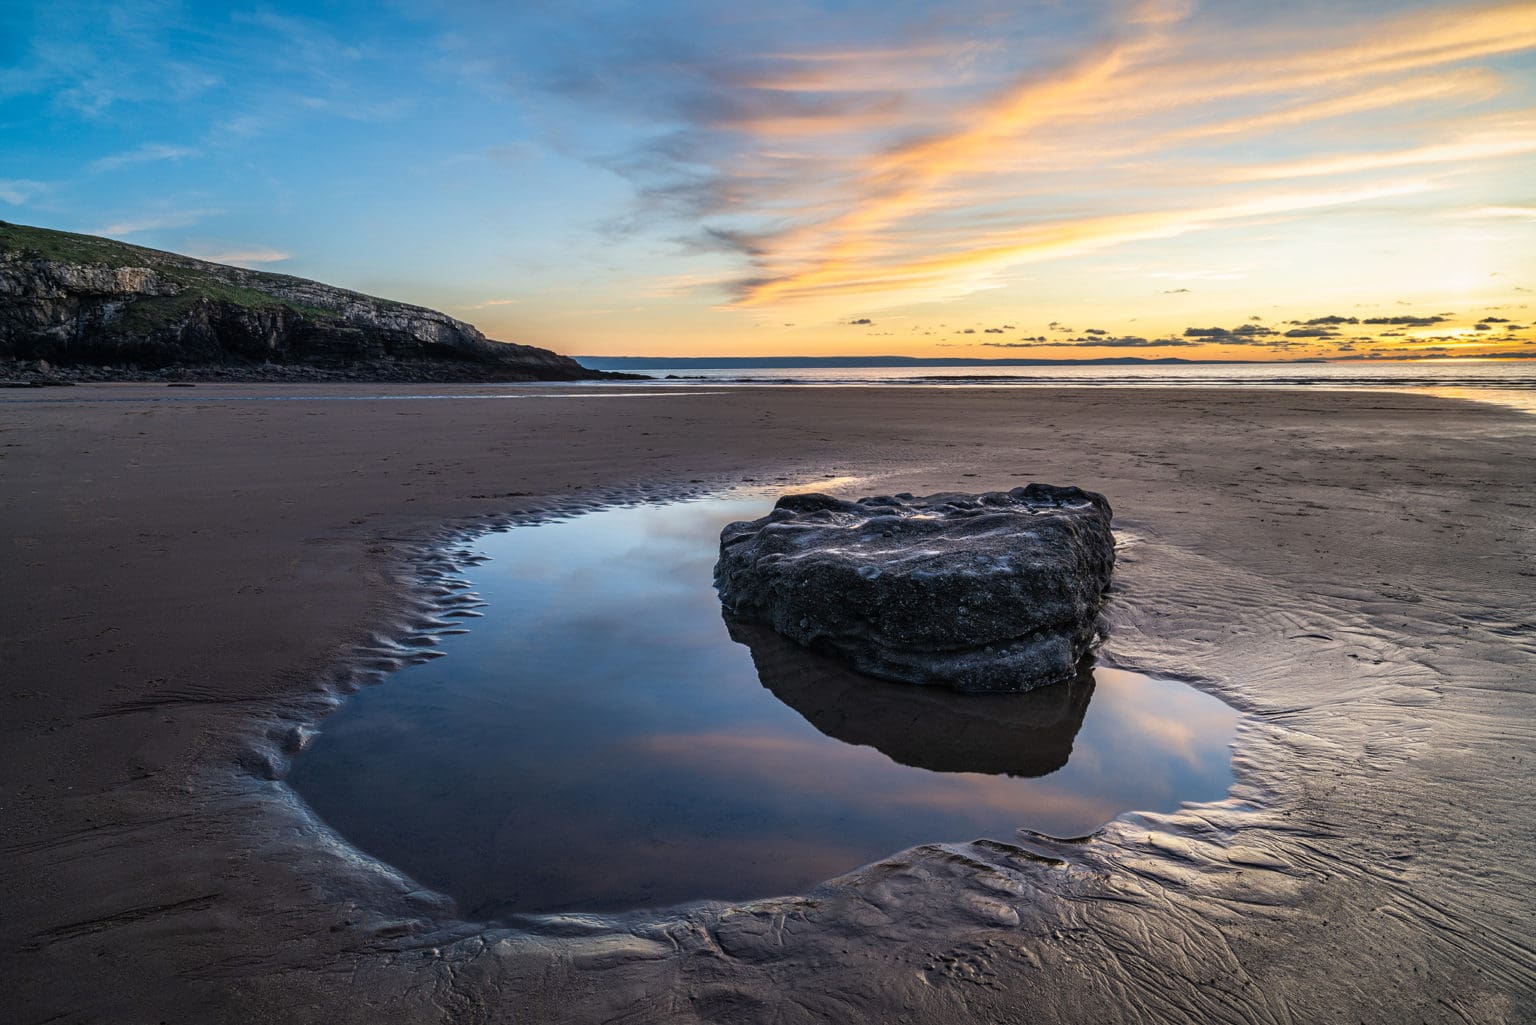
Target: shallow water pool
point(603, 740)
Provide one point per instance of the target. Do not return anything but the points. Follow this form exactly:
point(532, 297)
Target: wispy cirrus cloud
point(926, 165)
point(124, 57)
point(1507, 138)
point(243, 257)
point(19, 191)
point(1199, 275)
point(488, 304)
point(900, 204)
point(156, 221)
point(957, 267)
point(150, 152)
point(1503, 213)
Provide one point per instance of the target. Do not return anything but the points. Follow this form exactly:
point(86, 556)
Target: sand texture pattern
point(190, 584)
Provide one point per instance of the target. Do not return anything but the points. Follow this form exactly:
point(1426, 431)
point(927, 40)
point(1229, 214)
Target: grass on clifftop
point(199, 279)
point(67, 247)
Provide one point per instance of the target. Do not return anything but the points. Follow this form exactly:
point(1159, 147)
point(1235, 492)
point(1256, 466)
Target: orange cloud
point(1105, 149)
point(966, 269)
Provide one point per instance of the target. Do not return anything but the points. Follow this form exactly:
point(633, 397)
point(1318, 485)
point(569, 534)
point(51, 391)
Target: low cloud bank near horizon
point(1323, 340)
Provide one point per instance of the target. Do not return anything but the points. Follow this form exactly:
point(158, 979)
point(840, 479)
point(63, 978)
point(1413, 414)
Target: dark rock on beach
point(991, 592)
point(80, 307)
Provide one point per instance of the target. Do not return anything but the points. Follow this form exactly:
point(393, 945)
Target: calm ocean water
point(1507, 382)
point(1510, 383)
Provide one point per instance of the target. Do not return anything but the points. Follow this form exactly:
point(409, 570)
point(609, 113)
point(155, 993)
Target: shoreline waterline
point(1510, 384)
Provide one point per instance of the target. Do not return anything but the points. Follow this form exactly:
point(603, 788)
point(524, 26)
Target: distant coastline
point(1507, 382)
point(636, 363)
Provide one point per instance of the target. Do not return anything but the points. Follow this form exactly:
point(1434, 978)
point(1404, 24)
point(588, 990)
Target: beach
point(194, 577)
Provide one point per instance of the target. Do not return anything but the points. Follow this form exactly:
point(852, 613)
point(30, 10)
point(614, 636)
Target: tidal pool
point(602, 740)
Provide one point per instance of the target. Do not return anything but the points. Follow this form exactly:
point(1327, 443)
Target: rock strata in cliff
point(71, 302)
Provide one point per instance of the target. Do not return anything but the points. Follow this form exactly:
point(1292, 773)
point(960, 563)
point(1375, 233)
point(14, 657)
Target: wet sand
point(188, 583)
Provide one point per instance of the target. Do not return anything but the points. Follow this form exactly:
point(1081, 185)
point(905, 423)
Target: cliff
point(93, 304)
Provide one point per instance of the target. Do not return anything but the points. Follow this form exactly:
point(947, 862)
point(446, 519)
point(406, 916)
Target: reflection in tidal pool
point(603, 740)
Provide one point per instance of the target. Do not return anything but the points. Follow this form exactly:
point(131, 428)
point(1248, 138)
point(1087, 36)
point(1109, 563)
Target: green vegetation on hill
point(70, 300)
point(67, 247)
point(198, 279)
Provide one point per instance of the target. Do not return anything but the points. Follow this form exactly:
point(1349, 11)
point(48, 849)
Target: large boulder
point(991, 592)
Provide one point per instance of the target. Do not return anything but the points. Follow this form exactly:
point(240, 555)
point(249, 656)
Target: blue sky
point(727, 178)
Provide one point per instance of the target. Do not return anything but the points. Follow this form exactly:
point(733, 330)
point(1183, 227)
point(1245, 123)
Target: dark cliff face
point(82, 300)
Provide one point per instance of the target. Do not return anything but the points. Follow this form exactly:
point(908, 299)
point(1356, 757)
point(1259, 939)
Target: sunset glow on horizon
point(1155, 178)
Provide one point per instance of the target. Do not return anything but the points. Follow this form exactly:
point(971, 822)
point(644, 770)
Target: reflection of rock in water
point(1027, 734)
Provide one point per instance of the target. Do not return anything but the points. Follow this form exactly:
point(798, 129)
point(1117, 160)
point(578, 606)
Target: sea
point(1505, 382)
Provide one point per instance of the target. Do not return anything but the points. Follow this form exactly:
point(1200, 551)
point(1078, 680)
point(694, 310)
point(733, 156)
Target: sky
point(1070, 179)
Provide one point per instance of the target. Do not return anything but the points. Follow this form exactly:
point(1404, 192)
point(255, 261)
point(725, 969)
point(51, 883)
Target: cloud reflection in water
point(599, 741)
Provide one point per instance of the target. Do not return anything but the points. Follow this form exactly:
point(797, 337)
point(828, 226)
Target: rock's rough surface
point(991, 592)
point(74, 301)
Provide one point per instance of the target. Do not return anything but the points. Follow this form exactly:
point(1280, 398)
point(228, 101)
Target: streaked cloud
point(895, 196)
point(1199, 275)
point(1504, 213)
point(148, 153)
point(1507, 141)
point(972, 266)
point(487, 304)
point(928, 171)
point(242, 257)
point(19, 191)
point(156, 221)
point(874, 70)
point(660, 177)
